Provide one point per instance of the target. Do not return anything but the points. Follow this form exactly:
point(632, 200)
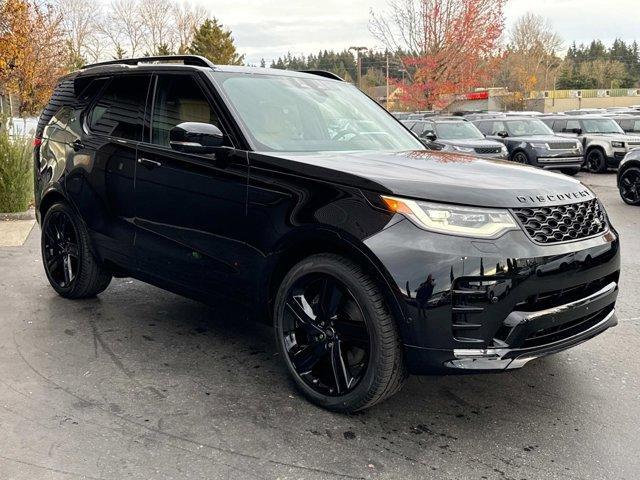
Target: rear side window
point(119, 111)
point(178, 99)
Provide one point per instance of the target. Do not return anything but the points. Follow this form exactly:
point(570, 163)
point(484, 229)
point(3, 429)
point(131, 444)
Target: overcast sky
point(271, 28)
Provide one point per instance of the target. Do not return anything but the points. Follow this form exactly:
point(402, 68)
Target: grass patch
point(16, 173)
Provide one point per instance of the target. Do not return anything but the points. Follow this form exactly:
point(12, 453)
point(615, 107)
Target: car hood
point(474, 143)
point(435, 176)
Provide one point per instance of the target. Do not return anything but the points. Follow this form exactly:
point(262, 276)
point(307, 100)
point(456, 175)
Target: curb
point(27, 215)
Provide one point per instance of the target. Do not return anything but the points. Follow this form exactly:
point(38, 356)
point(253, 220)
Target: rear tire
point(596, 161)
point(71, 268)
point(354, 321)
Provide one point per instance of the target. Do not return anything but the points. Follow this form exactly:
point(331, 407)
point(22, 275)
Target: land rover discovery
point(298, 198)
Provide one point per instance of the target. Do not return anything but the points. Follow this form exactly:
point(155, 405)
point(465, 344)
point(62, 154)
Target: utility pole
point(386, 101)
point(359, 63)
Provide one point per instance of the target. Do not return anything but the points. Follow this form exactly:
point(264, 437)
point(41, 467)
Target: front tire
point(629, 185)
point(596, 161)
point(336, 335)
point(71, 268)
point(521, 158)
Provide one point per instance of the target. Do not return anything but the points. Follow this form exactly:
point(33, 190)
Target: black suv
point(456, 135)
point(531, 142)
point(298, 198)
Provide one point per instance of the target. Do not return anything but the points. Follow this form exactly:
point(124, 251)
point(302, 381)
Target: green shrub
point(16, 173)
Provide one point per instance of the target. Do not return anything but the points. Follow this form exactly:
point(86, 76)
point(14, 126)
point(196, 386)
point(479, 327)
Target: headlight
point(504, 149)
point(578, 146)
point(617, 144)
point(453, 219)
point(540, 145)
point(463, 149)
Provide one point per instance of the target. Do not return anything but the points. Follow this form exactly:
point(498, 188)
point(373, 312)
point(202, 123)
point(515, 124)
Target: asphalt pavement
point(140, 383)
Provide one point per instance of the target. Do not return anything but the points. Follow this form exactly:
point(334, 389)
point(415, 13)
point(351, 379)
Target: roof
point(191, 62)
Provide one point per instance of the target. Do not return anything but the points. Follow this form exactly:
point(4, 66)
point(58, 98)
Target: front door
point(190, 208)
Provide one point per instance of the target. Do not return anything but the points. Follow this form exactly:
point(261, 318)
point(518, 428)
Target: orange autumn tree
point(32, 51)
point(450, 45)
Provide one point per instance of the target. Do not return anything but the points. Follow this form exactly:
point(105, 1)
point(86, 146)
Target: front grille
point(562, 223)
point(562, 145)
point(488, 149)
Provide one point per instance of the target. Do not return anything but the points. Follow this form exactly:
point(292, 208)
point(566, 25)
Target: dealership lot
point(140, 383)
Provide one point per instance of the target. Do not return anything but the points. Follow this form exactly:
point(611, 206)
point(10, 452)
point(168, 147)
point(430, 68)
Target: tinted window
point(559, 125)
point(484, 127)
point(178, 99)
point(120, 109)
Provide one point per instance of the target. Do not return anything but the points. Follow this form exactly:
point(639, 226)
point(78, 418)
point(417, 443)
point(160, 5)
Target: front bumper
point(474, 305)
point(553, 159)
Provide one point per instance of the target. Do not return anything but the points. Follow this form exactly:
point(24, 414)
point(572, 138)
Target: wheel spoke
point(53, 263)
point(301, 309)
point(68, 274)
point(342, 377)
point(73, 249)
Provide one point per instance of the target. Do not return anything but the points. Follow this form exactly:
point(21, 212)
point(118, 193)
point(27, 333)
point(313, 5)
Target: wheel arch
point(48, 199)
point(302, 244)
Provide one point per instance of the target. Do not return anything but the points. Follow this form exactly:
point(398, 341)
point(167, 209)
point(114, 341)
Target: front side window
point(302, 114)
point(601, 125)
point(572, 125)
point(458, 131)
point(178, 99)
point(119, 111)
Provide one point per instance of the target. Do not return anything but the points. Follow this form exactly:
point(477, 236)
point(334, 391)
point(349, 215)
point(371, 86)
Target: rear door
point(100, 179)
point(190, 208)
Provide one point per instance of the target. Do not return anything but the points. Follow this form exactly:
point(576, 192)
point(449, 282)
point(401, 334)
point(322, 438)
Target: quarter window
point(119, 111)
point(178, 99)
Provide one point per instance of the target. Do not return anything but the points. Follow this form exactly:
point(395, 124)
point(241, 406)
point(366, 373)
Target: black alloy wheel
point(60, 249)
point(521, 157)
point(336, 335)
point(630, 186)
point(70, 266)
point(596, 162)
point(325, 334)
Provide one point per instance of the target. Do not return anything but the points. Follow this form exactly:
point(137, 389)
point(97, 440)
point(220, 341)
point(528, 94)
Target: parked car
point(605, 144)
point(531, 142)
point(371, 256)
point(586, 111)
point(523, 114)
point(401, 115)
point(630, 124)
point(457, 135)
point(629, 178)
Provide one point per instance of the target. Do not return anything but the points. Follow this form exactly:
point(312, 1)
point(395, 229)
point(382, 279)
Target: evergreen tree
point(215, 43)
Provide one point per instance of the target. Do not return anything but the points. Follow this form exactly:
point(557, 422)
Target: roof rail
point(323, 73)
point(195, 60)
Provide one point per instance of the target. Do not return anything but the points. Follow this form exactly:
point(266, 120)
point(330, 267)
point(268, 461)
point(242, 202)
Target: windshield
point(530, 126)
point(601, 125)
point(298, 114)
point(458, 131)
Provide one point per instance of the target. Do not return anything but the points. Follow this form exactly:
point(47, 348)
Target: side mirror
point(502, 134)
point(195, 137)
point(429, 136)
point(577, 131)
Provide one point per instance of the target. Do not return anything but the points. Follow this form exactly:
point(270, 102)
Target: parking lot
point(140, 383)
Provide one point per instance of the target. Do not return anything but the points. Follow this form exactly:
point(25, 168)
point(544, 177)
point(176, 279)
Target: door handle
point(147, 162)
